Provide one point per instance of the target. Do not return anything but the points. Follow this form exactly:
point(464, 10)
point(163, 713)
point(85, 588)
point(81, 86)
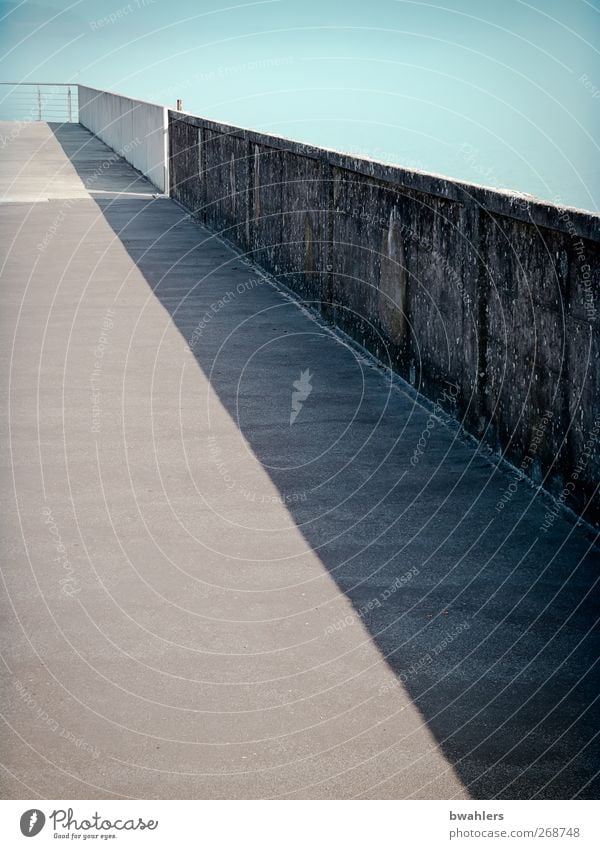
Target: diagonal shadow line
point(487, 624)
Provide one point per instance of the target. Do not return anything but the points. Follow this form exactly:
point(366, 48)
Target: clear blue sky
point(499, 92)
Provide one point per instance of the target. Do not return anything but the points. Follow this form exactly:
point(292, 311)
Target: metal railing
point(51, 102)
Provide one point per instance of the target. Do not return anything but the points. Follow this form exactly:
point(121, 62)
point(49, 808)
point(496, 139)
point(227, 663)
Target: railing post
point(69, 103)
point(39, 104)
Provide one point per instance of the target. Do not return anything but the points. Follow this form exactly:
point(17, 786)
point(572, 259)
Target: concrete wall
point(134, 129)
point(448, 283)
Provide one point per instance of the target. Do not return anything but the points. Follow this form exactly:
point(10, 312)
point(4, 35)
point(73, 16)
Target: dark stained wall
point(488, 294)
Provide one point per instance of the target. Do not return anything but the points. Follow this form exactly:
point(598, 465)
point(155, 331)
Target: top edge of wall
point(122, 96)
point(512, 204)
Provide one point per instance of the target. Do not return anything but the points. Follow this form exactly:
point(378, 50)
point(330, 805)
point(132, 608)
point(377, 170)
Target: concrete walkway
point(228, 571)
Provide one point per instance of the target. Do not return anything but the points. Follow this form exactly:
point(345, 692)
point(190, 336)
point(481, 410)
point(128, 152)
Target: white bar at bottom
point(301, 824)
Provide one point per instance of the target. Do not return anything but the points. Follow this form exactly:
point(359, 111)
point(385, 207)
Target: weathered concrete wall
point(449, 283)
point(134, 129)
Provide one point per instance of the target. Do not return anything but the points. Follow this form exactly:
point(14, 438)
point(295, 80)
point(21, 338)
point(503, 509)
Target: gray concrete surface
point(202, 599)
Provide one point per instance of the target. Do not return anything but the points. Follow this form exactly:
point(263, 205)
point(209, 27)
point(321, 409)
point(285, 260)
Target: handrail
point(40, 101)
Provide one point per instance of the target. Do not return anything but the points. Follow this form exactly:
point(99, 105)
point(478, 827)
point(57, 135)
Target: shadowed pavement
point(203, 598)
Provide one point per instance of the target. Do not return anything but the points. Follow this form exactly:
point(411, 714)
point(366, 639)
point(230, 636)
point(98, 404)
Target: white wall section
point(136, 130)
